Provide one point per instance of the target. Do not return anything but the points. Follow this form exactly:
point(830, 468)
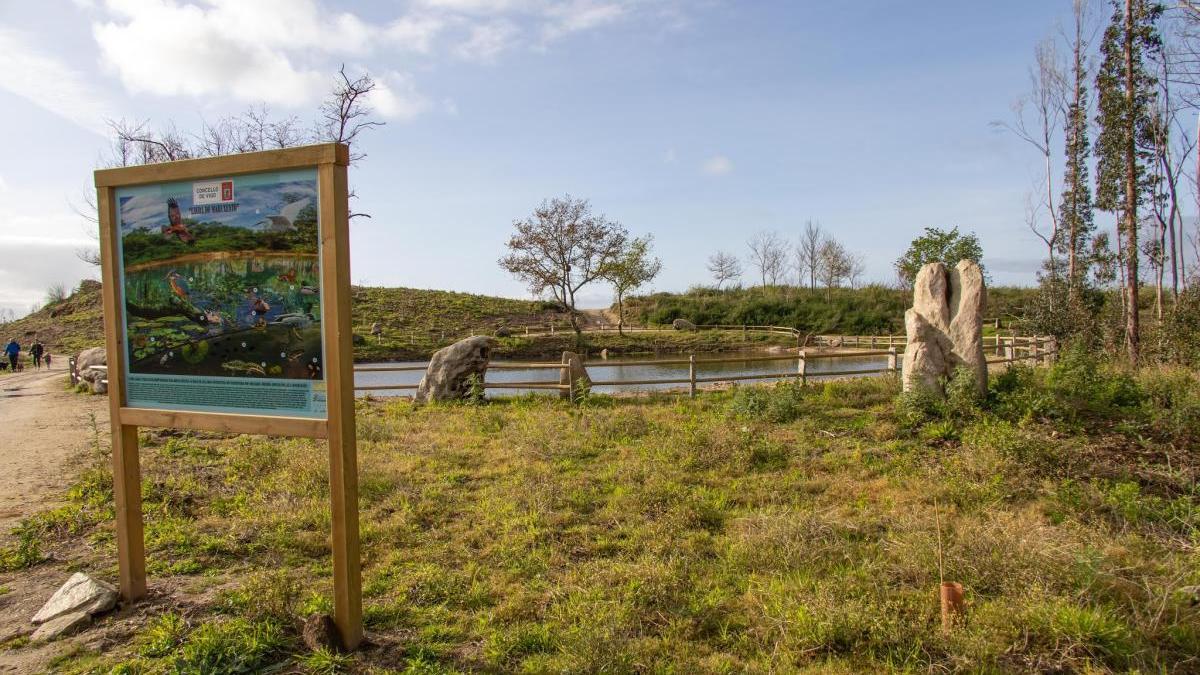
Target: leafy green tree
point(632, 269)
point(1127, 93)
point(1076, 205)
point(936, 245)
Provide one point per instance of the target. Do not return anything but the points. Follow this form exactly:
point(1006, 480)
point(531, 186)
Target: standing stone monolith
point(945, 326)
point(574, 375)
point(446, 377)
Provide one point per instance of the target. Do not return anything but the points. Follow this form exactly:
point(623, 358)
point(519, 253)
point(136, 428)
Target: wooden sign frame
point(330, 161)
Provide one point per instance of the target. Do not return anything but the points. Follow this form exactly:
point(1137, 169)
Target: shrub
point(780, 403)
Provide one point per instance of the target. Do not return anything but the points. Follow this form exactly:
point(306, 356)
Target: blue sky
point(699, 122)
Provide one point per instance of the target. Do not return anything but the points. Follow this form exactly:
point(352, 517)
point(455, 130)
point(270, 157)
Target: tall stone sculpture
point(945, 326)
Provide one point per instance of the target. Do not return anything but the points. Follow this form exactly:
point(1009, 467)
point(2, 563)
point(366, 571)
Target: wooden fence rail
point(1011, 349)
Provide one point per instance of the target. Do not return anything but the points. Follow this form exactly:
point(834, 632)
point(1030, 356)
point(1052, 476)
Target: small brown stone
point(321, 632)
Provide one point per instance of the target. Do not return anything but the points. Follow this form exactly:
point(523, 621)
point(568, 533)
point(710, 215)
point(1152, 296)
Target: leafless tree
point(724, 267)
point(1036, 117)
point(563, 247)
point(808, 250)
point(768, 254)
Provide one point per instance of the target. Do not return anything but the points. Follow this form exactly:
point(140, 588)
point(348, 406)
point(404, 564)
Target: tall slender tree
point(1076, 204)
point(1127, 91)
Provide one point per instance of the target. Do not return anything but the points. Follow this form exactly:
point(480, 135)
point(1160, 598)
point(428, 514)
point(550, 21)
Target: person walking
point(47, 357)
point(13, 351)
point(36, 350)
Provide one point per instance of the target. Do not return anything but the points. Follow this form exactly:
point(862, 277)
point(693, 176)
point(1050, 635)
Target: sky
point(700, 122)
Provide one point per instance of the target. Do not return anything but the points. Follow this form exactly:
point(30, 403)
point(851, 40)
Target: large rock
point(81, 593)
point(574, 375)
point(945, 326)
point(683, 324)
point(446, 376)
point(94, 378)
point(61, 625)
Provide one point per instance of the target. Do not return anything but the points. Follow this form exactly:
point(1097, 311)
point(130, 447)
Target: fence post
point(743, 332)
point(802, 368)
point(692, 375)
point(892, 360)
point(1052, 351)
point(1010, 349)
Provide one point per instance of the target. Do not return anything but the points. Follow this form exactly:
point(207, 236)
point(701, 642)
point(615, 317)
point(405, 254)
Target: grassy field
point(759, 530)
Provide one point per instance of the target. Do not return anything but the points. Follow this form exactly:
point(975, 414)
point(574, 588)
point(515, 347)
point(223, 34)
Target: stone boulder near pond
point(683, 324)
point(945, 326)
point(94, 378)
point(446, 377)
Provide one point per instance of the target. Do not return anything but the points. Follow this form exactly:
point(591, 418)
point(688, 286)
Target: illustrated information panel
point(221, 295)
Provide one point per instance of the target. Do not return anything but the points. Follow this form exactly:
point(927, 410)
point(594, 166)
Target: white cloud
point(578, 16)
point(414, 33)
point(717, 165)
point(396, 97)
point(50, 84)
point(487, 41)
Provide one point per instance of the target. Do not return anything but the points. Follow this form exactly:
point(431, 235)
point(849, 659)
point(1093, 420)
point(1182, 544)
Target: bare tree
point(563, 247)
point(808, 251)
point(345, 113)
point(1035, 119)
point(768, 254)
point(724, 267)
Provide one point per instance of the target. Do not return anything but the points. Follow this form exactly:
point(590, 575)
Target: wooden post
point(127, 474)
point(802, 368)
point(1052, 351)
point(692, 375)
point(952, 603)
point(339, 382)
point(892, 360)
point(1010, 349)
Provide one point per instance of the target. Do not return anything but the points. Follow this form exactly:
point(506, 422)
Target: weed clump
point(780, 404)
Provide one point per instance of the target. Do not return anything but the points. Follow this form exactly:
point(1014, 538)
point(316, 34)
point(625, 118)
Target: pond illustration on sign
point(223, 282)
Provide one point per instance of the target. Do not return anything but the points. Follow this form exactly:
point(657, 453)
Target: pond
point(612, 370)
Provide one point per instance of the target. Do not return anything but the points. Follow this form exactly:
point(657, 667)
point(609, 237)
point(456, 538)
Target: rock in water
point(683, 324)
point(320, 632)
point(63, 624)
point(575, 374)
point(446, 376)
point(945, 326)
point(95, 378)
point(81, 593)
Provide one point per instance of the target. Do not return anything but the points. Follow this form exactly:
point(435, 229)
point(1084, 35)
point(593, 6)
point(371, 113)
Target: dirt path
point(44, 430)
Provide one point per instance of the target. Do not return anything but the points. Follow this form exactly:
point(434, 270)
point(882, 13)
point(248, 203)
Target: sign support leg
point(127, 490)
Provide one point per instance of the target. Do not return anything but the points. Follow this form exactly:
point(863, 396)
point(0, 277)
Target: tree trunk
point(1132, 339)
point(620, 313)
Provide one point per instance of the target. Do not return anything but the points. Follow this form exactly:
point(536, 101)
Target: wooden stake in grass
point(951, 592)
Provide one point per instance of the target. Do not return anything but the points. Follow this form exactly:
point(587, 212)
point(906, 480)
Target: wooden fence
point(1007, 349)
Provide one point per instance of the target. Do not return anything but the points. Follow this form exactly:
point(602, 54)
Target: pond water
point(612, 370)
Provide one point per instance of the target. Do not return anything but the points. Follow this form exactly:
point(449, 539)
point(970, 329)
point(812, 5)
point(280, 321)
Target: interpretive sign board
point(222, 294)
point(226, 287)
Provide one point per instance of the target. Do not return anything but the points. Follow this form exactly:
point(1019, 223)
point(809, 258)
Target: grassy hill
point(66, 326)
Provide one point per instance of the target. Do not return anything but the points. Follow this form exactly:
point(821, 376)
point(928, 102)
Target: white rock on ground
point(61, 625)
point(81, 593)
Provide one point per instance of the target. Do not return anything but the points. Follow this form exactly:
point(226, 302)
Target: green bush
point(780, 403)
